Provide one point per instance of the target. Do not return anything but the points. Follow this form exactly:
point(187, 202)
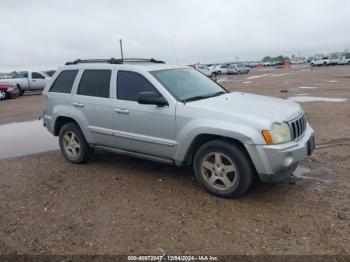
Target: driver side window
point(131, 84)
point(36, 75)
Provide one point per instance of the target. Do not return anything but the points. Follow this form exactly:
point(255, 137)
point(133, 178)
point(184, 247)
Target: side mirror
point(152, 98)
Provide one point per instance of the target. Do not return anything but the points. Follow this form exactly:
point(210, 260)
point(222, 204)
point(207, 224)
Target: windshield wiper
point(194, 98)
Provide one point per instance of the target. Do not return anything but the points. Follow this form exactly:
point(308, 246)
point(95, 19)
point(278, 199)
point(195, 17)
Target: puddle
point(258, 76)
point(307, 87)
point(305, 94)
point(315, 99)
point(332, 81)
point(301, 172)
point(25, 138)
point(283, 74)
point(246, 82)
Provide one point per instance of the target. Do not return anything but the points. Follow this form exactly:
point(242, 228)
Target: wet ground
point(25, 138)
point(121, 205)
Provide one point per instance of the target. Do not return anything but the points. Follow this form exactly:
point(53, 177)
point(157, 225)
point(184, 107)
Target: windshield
point(20, 75)
point(186, 84)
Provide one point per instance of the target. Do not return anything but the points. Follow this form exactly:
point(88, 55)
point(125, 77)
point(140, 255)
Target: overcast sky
point(44, 34)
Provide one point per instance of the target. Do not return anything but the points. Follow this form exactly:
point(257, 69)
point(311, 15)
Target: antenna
point(121, 48)
point(172, 42)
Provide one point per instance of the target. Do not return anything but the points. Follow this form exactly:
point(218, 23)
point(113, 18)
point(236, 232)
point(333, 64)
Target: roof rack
point(115, 61)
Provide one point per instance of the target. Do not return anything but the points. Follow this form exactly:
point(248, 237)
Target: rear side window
point(95, 83)
point(131, 84)
point(64, 82)
point(36, 75)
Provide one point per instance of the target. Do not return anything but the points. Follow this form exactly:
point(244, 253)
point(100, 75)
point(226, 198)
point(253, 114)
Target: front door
point(140, 128)
point(37, 81)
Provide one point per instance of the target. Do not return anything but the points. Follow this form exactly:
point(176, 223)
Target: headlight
point(279, 133)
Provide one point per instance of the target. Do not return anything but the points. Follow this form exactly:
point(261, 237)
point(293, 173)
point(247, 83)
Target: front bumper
point(276, 162)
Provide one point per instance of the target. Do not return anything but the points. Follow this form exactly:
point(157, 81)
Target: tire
point(210, 163)
point(213, 74)
point(21, 92)
point(3, 95)
point(324, 64)
point(219, 73)
point(73, 144)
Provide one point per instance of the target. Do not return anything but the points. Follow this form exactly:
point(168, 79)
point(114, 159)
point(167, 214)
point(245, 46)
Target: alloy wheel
point(219, 171)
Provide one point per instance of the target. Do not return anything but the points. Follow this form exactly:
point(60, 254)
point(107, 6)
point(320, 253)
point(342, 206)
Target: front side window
point(95, 83)
point(36, 75)
point(131, 84)
point(64, 82)
point(187, 84)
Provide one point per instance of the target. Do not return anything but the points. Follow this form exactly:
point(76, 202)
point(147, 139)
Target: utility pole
point(121, 48)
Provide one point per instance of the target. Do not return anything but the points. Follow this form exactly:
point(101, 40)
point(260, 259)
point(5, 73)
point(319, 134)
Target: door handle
point(121, 111)
point(78, 104)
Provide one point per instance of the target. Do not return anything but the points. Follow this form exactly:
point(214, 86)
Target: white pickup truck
point(28, 80)
point(323, 61)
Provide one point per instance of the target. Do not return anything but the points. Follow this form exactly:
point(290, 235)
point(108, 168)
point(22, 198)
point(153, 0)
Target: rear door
point(147, 129)
point(37, 81)
point(92, 98)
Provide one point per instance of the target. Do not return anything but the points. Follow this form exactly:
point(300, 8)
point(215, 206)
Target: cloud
point(45, 34)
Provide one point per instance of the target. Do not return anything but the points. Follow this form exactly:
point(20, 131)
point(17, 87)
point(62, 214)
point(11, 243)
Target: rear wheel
point(223, 169)
point(3, 95)
point(73, 144)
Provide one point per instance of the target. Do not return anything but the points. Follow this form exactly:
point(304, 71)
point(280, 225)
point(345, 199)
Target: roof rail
point(115, 61)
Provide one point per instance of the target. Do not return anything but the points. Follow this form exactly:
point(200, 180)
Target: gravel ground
point(27, 107)
point(121, 205)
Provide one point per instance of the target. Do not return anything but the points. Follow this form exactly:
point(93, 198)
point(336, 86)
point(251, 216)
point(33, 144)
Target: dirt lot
point(121, 205)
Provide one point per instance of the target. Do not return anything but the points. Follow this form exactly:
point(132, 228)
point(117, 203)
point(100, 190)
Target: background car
point(221, 69)
point(343, 60)
point(205, 70)
point(8, 91)
point(237, 69)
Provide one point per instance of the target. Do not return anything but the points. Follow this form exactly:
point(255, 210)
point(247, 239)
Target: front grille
point(298, 126)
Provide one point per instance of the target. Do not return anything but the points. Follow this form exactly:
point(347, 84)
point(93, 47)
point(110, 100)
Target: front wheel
point(21, 92)
point(3, 95)
point(223, 169)
point(73, 144)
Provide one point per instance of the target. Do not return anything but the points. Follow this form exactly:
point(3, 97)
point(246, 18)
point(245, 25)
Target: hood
point(251, 105)
point(8, 80)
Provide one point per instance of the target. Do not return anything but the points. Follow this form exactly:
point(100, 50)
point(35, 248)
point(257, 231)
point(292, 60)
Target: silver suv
point(175, 115)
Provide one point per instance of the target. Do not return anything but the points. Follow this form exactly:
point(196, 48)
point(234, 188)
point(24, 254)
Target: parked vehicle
point(28, 80)
point(175, 115)
point(50, 73)
point(237, 69)
point(8, 91)
point(322, 61)
point(220, 69)
point(205, 70)
point(343, 60)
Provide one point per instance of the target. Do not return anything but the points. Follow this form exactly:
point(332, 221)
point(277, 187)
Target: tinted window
point(64, 82)
point(95, 83)
point(36, 75)
point(130, 84)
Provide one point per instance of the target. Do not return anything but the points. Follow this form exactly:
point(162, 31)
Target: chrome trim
point(298, 127)
point(144, 139)
point(101, 131)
